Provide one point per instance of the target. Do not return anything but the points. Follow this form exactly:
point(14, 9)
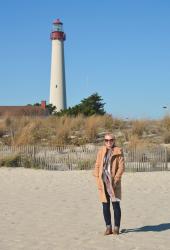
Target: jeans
point(107, 213)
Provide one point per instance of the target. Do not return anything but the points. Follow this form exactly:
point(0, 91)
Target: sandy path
point(50, 210)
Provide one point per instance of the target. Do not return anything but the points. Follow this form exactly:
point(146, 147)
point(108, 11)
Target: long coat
point(117, 168)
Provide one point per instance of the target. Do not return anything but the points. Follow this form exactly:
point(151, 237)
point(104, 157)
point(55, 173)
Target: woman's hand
point(115, 181)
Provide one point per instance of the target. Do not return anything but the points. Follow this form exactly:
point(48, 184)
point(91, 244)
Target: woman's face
point(109, 141)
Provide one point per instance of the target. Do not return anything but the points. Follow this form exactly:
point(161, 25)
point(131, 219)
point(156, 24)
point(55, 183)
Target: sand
point(52, 210)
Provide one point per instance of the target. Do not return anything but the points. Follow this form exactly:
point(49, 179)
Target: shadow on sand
point(153, 228)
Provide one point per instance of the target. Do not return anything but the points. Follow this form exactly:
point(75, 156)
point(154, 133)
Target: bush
point(85, 164)
point(168, 154)
point(13, 160)
point(18, 160)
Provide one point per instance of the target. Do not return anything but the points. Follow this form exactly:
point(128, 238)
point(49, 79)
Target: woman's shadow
point(152, 228)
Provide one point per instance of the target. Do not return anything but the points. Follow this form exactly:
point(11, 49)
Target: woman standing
point(108, 171)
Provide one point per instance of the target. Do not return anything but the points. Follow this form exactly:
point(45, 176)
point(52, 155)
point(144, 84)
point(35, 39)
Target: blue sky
point(120, 49)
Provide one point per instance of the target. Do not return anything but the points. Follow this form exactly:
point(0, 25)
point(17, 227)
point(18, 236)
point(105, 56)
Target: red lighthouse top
point(57, 21)
point(57, 33)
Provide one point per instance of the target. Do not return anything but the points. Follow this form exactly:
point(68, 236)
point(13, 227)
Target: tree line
point(92, 105)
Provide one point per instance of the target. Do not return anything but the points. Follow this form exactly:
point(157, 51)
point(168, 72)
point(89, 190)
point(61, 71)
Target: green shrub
point(28, 162)
point(18, 160)
point(168, 154)
point(13, 160)
point(85, 164)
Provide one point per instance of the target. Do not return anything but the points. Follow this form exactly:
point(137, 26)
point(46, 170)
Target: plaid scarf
point(107, 179)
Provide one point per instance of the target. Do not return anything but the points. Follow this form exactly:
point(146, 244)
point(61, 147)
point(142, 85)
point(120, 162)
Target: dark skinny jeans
point(107, 213)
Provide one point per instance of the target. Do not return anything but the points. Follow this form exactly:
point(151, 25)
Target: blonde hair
point(110, 134)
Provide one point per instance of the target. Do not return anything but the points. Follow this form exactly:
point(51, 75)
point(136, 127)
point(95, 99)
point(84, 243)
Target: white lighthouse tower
point(57, 83)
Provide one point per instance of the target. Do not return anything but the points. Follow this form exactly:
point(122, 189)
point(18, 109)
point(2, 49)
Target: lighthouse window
point(56, 86)
point(58, 27)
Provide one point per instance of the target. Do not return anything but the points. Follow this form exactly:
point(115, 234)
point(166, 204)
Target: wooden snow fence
point(146, 159)
point(83, 157)
point(54, 158)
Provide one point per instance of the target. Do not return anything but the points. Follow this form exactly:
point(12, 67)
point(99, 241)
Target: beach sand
point(53, 210)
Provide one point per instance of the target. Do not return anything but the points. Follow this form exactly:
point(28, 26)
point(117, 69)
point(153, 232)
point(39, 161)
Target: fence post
point(166, 159)
point(33, 154)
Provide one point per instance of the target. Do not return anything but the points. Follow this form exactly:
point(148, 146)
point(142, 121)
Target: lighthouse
point(57, 82)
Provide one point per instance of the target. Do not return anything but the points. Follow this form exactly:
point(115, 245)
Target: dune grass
point(80, 130)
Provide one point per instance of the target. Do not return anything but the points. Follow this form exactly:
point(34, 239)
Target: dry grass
point(31, 133)
point(166, 123)
point(92, 125)
point(2, 128)
point(166, 137)
point(136, 142)
point(79, 130)
point(139, 127)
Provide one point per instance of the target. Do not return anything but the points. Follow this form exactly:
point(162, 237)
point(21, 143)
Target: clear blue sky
point(120, 49)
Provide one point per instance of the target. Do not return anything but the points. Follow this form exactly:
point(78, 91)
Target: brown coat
point(117, 169)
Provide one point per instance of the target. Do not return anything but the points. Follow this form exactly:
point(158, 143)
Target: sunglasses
point(108, 140)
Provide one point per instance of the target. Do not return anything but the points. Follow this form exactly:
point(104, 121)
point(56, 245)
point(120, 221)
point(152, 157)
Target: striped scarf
point(107, 179)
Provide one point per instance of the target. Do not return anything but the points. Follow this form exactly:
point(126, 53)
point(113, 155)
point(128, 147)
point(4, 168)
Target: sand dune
point(50, 210)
